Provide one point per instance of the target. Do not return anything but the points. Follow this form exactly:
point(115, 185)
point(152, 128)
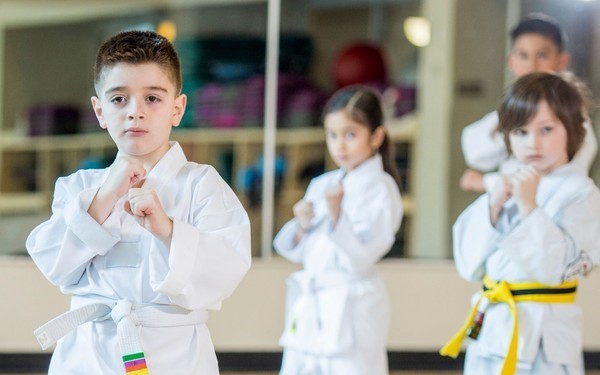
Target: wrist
point(526, 209)
point(107, 196)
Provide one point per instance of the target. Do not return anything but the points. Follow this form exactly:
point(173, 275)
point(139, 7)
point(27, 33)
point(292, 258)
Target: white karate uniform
point(337, 311)
point(485, 151)
point(120, 260)
point(540, 248)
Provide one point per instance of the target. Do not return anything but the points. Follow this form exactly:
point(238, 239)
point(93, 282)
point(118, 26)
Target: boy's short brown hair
point(562, 92)
point(138, 47)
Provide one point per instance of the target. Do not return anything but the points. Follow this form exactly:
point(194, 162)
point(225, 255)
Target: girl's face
point(349, 142)
point(541, 142)
point(138, 105)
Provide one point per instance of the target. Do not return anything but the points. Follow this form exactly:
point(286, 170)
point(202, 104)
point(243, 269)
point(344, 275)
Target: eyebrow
point(122, 88)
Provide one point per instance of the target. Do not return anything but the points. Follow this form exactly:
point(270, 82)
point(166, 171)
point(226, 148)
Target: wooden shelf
point(54, 156)
point(12, 203)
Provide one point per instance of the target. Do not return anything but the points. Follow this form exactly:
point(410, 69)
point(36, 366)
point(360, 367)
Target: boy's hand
point(145, 206)
point(125, 173)
point(471, 180)
point(525, 183)
point(500, 194)
point(334, 196)
point(304, 212)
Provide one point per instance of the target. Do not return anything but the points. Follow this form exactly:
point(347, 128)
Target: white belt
point(126, 315)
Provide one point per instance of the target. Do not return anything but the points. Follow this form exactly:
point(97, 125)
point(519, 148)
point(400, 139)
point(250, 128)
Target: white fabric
point(477, 365)
point(337, 306)
point(127, 316)
point(484, 149)
point(539, 248)
point(119, 260)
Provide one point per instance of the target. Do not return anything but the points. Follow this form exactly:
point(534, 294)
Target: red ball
point(359, 63)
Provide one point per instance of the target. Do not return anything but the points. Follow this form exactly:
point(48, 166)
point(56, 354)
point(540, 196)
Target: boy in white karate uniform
point(147, 245)
point(530, 239)
point(537, 46)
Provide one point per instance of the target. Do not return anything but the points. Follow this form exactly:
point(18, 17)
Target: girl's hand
point(500, 194)
point(525, 183)
point(334, 196)
point(304, 212)
point(145, 206)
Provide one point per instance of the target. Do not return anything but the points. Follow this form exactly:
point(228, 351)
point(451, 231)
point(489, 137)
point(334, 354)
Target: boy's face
point(536, 53)
point(138, 105)
point(542, 141)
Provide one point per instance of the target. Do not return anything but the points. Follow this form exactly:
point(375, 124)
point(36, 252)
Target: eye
point(350, 135)
point(118, 99)
point(519, 132)
point(547, 129)
point(330, 135)
point(153, 99)
point(542, 55)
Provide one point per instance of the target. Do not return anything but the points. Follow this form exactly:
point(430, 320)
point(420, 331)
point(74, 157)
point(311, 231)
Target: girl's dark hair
point(566, 96)
point(139, 47)
point(363, 105)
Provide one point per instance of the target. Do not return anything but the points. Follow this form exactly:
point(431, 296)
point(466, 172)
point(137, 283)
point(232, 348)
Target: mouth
point(534, 158)
point(135, 131)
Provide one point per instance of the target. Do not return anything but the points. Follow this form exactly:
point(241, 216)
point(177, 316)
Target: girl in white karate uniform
point(337, 310)
point(147, 245)
point(530, 239)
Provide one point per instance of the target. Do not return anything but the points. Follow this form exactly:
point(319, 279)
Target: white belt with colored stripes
point(127, 316)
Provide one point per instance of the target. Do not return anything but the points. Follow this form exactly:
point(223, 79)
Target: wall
point(429, 303)
point(480, 58)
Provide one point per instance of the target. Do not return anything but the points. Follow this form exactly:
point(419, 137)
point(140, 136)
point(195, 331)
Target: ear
point(179, 109)
point(564, 61)
point(509, 63)
point(377, 137)
point(97, 105)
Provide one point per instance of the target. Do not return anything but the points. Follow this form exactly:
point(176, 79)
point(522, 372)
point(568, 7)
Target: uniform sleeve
point(208, 256)
point(544, 248)
point(474, 239)
point(586, 155)
point(63, 246)
point(365, 237)
point(483, 147)
point(284, 242)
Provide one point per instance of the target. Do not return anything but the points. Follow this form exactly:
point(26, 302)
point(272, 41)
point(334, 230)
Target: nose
point(535, 65)
point(533, 141)
point(339, 144)
point(135, 110)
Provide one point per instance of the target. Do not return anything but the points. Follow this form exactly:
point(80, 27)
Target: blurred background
point(439, 64)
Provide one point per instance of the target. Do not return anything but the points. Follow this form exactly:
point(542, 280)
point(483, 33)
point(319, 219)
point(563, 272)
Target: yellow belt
point(510, 293)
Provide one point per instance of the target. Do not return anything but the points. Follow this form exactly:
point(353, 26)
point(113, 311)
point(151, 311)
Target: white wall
point(429, 302)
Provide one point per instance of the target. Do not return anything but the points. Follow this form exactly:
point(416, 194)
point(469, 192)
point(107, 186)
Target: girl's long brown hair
point(363, 104)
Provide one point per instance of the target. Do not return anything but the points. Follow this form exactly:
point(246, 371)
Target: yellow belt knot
point(499, 293)
point(510, 293)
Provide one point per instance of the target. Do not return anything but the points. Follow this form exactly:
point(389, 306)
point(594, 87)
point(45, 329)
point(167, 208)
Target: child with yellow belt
point(530, 238)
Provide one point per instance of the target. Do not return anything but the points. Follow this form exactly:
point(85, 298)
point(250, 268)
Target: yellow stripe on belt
point(510, 293)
